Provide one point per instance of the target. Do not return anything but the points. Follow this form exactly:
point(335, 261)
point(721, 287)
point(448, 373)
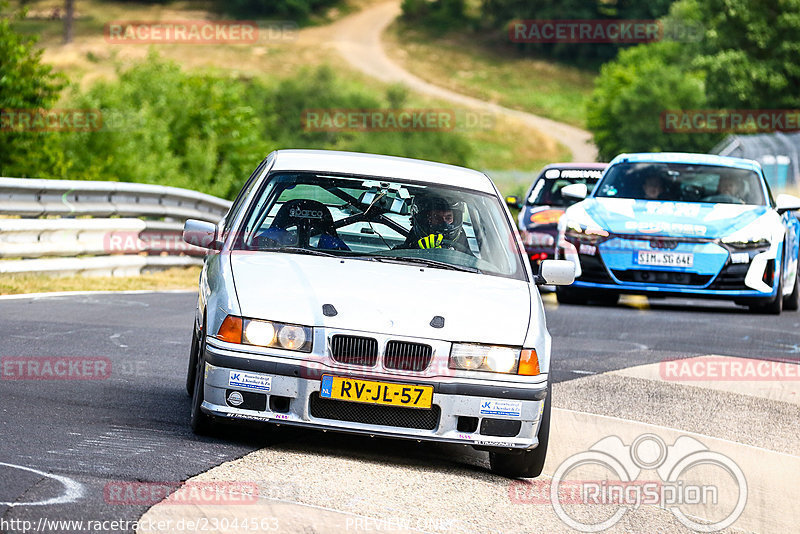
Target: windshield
point(379, 220)
point(546, 191)
point(682, 182)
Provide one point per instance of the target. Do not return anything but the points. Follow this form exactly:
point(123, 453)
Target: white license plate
point(665, 259)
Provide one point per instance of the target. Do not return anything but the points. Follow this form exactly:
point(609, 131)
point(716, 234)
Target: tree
point(69, 17)
point(297, 10)
point(25, 84)
point(624, 112)
point(499, 13)
point(746, 59)
point(750, 53)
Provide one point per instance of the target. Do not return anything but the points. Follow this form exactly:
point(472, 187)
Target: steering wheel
point(726, 199)
point(691, 191)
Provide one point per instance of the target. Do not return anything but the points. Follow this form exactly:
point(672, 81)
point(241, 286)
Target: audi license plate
point(367, 391)
point(665, 259)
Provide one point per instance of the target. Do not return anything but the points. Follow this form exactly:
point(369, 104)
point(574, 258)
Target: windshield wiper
point(426, 262)
point(301, 250)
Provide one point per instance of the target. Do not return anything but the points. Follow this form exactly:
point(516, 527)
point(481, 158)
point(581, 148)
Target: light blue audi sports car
point(675, 224)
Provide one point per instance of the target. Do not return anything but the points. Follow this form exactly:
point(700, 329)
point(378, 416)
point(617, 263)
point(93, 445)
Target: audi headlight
point(276, 335)
point(578, 224)
point(757, 234)
point(490, 358)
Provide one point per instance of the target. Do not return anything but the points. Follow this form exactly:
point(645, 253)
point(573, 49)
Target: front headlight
point(493, 359)
point(277, 335)
point(266, 334)
point(757, 234)
point(578, 224)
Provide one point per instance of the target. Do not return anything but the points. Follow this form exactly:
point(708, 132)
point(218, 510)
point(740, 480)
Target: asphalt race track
point(131, 424)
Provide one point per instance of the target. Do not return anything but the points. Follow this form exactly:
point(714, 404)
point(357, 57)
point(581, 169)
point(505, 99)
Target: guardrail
point(105, 228)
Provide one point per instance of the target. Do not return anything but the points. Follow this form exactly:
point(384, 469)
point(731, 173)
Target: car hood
point(381, 297)
point(656, 217)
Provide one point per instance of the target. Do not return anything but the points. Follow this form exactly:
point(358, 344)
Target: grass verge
point(505, 144)
point(470, 64)
point(175, 278)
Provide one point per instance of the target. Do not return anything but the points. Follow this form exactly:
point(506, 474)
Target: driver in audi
point(730, 186)
point(437, 223)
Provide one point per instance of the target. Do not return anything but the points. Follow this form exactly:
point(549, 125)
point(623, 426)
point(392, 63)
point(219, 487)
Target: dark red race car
point(543, 205)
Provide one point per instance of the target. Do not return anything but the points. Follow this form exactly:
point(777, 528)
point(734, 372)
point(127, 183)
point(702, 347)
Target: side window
point(236, 207)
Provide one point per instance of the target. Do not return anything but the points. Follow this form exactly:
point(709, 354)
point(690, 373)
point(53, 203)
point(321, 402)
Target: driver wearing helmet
point(437, 223)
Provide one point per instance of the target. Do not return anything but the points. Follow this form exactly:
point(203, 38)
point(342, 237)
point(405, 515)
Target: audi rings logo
point(669, 244)
point(686, 470)
point(305, 214)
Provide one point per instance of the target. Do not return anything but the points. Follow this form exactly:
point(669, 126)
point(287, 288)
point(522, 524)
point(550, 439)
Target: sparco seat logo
point(305, 214)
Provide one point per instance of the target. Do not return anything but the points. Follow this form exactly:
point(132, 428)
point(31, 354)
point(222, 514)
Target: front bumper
point(293, 398)
point(611, 265)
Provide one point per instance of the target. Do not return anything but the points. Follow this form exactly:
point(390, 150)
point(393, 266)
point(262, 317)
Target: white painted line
point(72, 490)
point(83, 293)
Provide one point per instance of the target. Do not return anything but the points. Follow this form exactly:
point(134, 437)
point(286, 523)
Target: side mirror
point(575, 191)
point(556, 273)
point(786, 203)
point(513, 203)
point(200, 234)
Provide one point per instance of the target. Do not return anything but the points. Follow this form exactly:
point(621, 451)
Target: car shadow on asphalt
point(379, 450)
point(674, 305)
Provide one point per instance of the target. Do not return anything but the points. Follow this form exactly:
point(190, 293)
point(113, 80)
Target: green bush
point(497, 14)
point(208, 132)
point(163, 126)
point(297, 10)
point(745, 58)
point(624, 112)
point(25, 84)
point(436, 15)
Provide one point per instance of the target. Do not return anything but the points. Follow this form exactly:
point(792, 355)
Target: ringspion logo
point(616, 479)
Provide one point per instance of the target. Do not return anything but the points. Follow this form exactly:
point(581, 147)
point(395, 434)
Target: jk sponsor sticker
point(506, 408)
point(252, 381)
